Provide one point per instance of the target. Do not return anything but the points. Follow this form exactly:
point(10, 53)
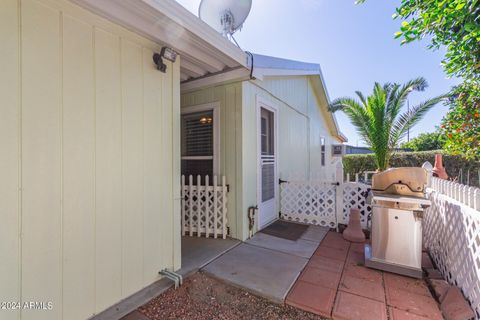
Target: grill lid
point(407, 181)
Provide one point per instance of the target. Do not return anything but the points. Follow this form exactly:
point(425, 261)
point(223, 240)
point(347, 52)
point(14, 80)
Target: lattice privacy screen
point(309, 202)
point(354, 196)
point(451, 233)
point(323, 203)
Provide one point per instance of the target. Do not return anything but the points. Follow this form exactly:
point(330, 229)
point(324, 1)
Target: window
point(198, 143)
point(322, 151)
point(267, 132)
point(267, 142)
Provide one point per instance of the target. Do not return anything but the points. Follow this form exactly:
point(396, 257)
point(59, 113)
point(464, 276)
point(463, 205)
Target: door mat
point(285, 230)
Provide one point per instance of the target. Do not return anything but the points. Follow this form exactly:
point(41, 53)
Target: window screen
point(266, 127)
point(268, 154)
point(197, 143)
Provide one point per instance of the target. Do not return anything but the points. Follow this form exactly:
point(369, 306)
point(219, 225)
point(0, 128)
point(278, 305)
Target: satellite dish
point(225, 16)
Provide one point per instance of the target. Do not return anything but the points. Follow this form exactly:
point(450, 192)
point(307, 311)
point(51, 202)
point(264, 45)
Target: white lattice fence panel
point(353, 195)
point(308, 202)
point(204, 208)
point(451, 232)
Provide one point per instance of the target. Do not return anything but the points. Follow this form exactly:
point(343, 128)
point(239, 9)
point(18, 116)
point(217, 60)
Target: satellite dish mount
point(225, 16)
point(228, 22)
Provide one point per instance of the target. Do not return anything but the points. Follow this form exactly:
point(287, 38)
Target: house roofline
point(167, 23)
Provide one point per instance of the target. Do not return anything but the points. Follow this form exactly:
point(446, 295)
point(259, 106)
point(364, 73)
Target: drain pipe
point(175, 277)
point(251, 65)
point(251, 220)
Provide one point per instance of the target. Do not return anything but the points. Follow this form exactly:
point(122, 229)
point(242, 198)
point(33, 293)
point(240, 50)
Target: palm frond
point(410, 118)
point(377, 117)
point(418, 84)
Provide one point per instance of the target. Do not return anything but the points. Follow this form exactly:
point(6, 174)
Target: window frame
point(323, 151)
point(215, 108)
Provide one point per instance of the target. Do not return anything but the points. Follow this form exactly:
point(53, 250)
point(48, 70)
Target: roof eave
point(166, 22)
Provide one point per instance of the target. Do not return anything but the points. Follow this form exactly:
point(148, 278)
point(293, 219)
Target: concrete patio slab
point(265, 272)
point(301, 248)
point(198, 252)
point(315, 233)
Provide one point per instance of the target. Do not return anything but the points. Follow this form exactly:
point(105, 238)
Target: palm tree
point(378, 118)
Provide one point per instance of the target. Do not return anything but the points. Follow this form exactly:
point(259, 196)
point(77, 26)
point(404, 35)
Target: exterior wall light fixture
point(166, 53)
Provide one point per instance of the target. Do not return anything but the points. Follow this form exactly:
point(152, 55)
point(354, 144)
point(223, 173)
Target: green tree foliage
point(378, 118)
point(461, 125)
point(454, 24)
point(425, 142)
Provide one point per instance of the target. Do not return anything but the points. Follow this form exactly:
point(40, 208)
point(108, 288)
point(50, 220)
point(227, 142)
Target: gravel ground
point(202, 297)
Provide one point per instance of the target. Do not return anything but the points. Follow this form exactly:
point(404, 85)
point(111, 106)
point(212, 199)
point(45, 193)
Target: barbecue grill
point(396, 234)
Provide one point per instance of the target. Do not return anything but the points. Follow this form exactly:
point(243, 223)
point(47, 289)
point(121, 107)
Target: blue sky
point(354, 45)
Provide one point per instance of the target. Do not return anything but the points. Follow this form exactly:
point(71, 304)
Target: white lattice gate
point(323, 203)
point(204, 207)
point(309, 202)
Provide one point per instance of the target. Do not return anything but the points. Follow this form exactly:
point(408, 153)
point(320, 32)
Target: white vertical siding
point(293, 90)
point(89, 166)
point(317, 113)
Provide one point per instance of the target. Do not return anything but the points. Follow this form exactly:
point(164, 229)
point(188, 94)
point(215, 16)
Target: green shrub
point(425, 142)
point(463, 170)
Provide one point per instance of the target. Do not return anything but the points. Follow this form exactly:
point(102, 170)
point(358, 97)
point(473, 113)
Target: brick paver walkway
point(336, 284)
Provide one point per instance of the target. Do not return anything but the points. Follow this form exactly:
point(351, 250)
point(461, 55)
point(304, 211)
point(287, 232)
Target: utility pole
point(408, 110)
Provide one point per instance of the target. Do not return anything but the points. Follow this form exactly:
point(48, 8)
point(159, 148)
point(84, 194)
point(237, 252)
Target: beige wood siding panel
point(177, 238)
point(41, 159)
point(153, 256)
point(108, 166)
point(9, 156)
point(88, 132)
point(166, 194)
point(78, 169)
point(132, 117)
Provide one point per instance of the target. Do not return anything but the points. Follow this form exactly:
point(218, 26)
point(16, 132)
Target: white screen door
point(267, 168)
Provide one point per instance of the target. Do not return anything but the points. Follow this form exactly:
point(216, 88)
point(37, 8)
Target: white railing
point(451, 233)
point(204, 207)
point(323, 203)
point(469, 196)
